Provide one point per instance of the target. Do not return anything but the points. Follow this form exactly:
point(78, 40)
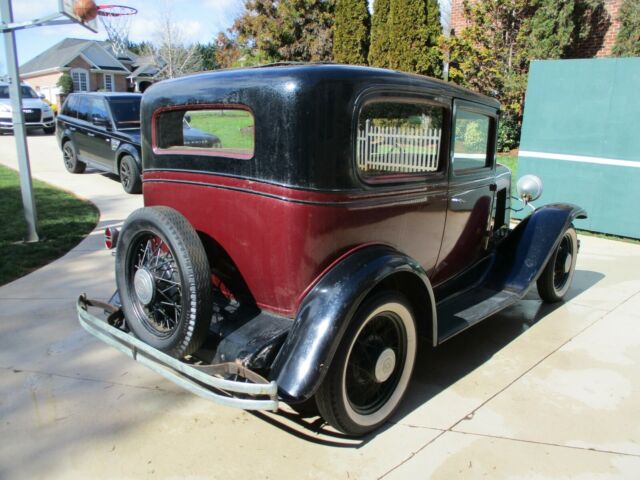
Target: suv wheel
point(162, 274)
point(71, 162)
point(130, 175)
point(370, 372)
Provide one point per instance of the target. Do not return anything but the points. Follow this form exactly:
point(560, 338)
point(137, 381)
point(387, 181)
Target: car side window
point(224, 132)
point(398, 137)
point(471, 140)
point(70, 107)
point(98, 109)
point(84, 109)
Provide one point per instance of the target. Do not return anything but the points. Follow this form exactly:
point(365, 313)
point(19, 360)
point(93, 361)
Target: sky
point(200, 20)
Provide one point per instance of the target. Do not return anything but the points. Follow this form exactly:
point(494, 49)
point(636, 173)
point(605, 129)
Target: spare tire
point(163, 278)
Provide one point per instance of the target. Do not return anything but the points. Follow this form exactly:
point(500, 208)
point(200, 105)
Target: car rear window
point(399, 137)
point(226, 132)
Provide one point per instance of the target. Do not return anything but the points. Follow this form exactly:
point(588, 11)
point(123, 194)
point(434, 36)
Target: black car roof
point(304, 117)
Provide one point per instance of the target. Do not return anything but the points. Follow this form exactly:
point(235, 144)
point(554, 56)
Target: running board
point(460, 312)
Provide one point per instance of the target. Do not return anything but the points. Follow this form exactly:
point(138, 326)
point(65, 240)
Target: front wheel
point(130, 175)
point(162, 273)
point(556, 278)
point(370, 372)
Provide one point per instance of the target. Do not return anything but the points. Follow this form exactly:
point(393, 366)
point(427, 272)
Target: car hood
point(26, 102)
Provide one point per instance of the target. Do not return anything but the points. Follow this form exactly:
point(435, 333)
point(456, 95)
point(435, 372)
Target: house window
point(108, 82)
point(80, 79)
point(399, 137)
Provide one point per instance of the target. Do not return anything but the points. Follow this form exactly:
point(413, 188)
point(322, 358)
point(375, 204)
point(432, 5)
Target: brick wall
point(599, 44)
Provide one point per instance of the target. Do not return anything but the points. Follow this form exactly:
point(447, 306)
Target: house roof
point(62, 53)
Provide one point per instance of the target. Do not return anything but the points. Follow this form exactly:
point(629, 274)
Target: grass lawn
point(64, 220)
point(232, 127)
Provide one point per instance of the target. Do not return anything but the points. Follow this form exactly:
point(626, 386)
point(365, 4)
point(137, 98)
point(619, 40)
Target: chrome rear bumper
point(204, 380)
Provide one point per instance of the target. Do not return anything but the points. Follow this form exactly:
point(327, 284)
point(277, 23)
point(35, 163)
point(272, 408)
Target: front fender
point(325, 313)
point(523, 255)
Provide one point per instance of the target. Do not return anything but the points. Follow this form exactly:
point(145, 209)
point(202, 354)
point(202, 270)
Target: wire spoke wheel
point(162, 273)
point(157, 284)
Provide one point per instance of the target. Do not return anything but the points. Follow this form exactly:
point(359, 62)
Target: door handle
point(73, 129)
point(91, 134)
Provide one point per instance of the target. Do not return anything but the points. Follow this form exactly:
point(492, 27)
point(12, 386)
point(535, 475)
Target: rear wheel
point(557, 277)
point(370, 372)
point(130, 175)
point(162, 273)
point(70, 158)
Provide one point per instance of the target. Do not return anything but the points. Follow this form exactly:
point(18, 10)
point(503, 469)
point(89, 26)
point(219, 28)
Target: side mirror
point(187, 117)
point(99, 121)
point(529, 188)
point(41, 96)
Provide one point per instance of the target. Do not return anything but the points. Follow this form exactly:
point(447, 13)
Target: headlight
point(46, 108)
point(5, 107)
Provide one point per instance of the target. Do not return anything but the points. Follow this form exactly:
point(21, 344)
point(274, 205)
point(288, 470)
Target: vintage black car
point(350, 212)
point(103, 130)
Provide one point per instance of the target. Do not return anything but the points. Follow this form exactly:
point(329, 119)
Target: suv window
point(398, 137)
point(98, 109)
point(83, 108)
point(471, 140)
point(70, 107)
point(126, 112)
point(225, 132)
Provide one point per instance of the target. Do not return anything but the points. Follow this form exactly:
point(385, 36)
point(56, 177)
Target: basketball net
point(116, 20)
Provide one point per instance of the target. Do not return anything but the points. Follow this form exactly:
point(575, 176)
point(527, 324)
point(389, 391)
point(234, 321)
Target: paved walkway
point(535, 392)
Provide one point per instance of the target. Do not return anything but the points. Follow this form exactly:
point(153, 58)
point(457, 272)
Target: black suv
point(103, 130)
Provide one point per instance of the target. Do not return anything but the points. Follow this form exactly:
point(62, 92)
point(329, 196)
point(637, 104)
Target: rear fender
point(326, 311)
point(522, 256)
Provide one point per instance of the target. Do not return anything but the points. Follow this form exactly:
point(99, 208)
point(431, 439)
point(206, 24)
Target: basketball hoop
point(116, 20)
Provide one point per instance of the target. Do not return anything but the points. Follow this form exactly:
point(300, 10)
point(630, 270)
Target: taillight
point(111, 237)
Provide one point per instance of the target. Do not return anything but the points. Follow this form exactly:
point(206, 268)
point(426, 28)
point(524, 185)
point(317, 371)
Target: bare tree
point(171, 51)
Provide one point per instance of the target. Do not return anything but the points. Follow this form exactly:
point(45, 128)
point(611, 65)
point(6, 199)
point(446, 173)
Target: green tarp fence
point(581, 135)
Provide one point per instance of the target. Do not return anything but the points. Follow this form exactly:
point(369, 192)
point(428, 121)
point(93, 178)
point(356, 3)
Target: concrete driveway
point(535, 392)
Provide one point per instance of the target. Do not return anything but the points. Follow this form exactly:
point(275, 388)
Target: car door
point(471, 190)
point(97, 133)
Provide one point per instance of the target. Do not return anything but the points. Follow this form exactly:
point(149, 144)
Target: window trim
point(403, 95)
point(80, 71)
point(480, 109)
point(112, 80)
point(202, 152)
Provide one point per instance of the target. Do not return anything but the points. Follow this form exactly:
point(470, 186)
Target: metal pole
point(19, 131)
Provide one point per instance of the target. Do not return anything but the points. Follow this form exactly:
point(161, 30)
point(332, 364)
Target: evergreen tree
point(493, 53)
point(379, 49)
point(628, 39)
point(413, 41)
point(351, 33)
point(286, 30)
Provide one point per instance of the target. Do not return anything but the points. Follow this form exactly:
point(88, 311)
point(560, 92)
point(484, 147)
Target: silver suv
point(37, 113)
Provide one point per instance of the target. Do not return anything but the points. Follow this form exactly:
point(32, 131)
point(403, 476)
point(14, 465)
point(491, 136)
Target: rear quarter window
point(399, 137)
point(220, 131)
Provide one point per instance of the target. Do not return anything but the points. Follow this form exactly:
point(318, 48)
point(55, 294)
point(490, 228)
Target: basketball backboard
point(65, 7)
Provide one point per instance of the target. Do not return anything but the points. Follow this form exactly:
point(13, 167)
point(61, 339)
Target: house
point(92, 65)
